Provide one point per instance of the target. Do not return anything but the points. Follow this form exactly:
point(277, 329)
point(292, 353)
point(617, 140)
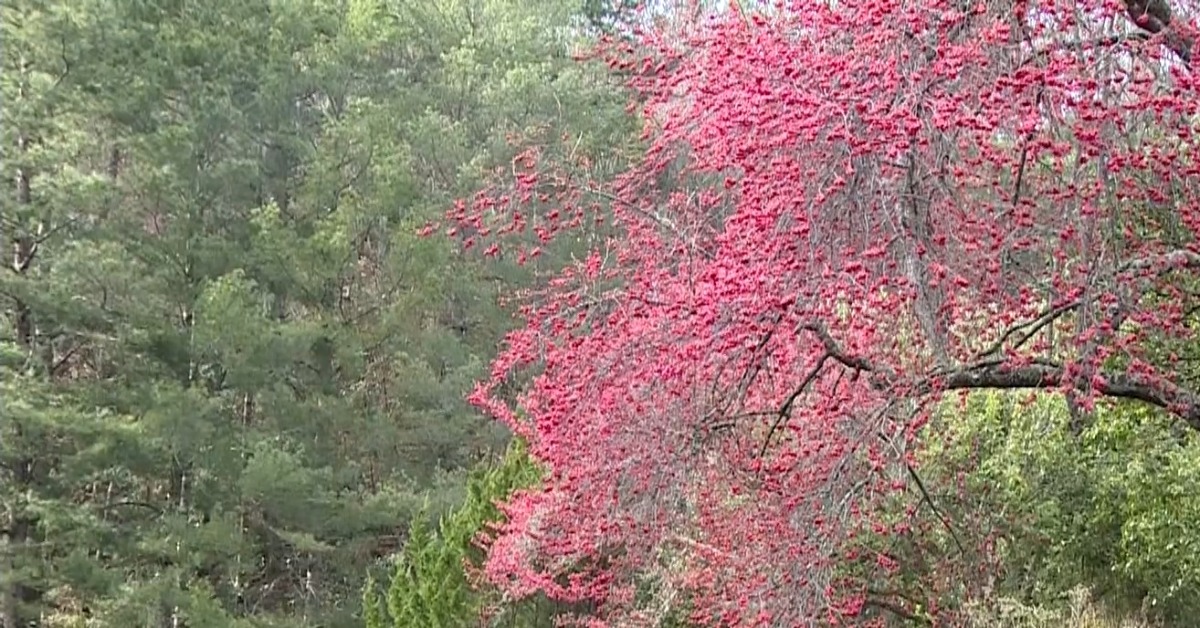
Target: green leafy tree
point(1013, 507)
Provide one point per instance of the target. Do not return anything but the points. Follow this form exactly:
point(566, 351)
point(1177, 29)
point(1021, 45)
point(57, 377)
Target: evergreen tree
point(430, 583)
point(231, 372)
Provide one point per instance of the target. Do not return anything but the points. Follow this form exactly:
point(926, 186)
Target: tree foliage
point(845, 211)
point(231, 372)
point(1014, 507)
point(429, 584)
point(886, 318)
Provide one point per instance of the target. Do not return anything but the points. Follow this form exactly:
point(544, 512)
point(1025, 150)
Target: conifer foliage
point(230, 370)
point(429, 583)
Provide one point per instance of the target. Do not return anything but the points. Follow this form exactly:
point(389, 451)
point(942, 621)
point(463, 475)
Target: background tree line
point(231, 372)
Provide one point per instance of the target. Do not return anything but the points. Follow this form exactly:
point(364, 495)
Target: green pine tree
point(429, 585)
point(231, 374)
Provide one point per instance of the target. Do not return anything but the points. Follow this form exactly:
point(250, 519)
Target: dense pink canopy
point(845, 209)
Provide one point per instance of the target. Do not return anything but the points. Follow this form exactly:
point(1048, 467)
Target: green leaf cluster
point(1028, 511)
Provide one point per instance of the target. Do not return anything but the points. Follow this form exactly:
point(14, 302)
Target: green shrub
point(1027, 511)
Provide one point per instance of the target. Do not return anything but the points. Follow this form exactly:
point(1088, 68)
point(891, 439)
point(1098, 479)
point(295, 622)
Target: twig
point(925, 497)
point(785, 410)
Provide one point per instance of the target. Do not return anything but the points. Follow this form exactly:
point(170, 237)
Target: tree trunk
point(8, 602)
point(14, 534)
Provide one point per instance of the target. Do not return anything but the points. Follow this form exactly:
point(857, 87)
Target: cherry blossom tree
point(844, 212)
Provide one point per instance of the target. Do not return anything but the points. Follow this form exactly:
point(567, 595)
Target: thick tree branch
point(1155, 17)
point(997, 375)
point(834, 350)
point(1163, 394)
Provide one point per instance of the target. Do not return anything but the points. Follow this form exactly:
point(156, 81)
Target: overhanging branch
point(998, 375)
point(992, 371)
point(1160, 393)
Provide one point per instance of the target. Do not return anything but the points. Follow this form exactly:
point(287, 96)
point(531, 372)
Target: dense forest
point(232, 372)
point(450, 313)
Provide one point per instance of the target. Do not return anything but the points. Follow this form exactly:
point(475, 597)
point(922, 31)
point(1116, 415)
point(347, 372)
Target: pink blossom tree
point(844, 211)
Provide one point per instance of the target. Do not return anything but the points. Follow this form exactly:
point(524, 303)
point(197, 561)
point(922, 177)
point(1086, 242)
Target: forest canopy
point(600, 313)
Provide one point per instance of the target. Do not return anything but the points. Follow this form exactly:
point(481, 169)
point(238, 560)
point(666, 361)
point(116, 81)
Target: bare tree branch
point(999, 375)
point(1181, 402)
point(786, 410)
